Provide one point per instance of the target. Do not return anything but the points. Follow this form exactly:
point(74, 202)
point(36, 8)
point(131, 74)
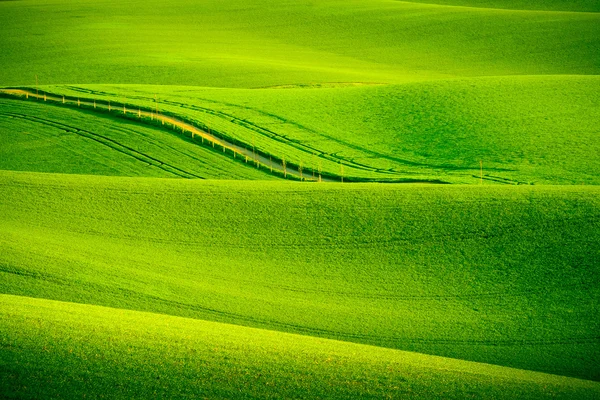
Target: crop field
point(53, 139)
point(426, 131)
point(364, 199)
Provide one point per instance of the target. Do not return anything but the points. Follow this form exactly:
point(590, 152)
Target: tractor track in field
point(108, 142)
point(207, 312)
point(378, 339)
point(251, 157)
point(309, 150)
point(391, 341)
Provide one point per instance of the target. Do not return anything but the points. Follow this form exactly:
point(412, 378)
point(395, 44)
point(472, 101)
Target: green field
point(41, 138)
point(257, 44)
point(155, 240)
point(124, 354)
point(423, 131)
point(507, 276)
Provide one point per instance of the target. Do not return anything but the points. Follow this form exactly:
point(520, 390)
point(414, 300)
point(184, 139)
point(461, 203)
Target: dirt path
point(243, 154)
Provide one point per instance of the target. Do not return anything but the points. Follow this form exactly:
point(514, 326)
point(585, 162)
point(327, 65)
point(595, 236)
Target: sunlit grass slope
point(546, 5)
point(52, 349)
point(503, 275)
point(529, 129)
point(258, 43)
point(41, 137)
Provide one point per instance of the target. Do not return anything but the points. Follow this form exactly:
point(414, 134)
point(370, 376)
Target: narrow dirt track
point(243, 154)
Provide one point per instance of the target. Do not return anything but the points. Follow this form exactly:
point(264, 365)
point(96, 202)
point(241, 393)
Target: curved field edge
point(243, 158)
point(502, 275)
point(51, 349)
point(524, 129)
point(256, 147)
point(37, 137)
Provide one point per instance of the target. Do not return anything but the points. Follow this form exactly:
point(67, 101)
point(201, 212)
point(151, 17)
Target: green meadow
point(165, 233)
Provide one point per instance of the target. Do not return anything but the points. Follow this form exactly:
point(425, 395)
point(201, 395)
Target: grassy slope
point(253, 44)
point(40, 137)
point(548, 5)
point(507, 277)
point(59, 350)
point(537, 129)
point(245, 44)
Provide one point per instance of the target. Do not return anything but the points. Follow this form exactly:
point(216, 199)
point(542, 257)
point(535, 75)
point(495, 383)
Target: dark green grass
point(36, 136)
point(532, 129)
point(51, 349)
point(255, 43)
point(503, 275)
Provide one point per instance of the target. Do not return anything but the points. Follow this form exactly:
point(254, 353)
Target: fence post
point(320, 167)
point(284, 169)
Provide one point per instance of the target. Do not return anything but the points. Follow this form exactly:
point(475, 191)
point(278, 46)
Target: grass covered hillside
point(35, 136)
point(258, 43)
point(524, 5)
point(500, 275)
point(360, 199)
point(532, 129)
point(63, 350)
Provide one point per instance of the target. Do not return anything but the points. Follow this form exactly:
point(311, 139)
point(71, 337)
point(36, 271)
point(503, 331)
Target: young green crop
point(37, 136)
point(502, 275)
point(540, 130)
point(531, 5)
point(51, 349)
point(469, 91)
point(255, 43)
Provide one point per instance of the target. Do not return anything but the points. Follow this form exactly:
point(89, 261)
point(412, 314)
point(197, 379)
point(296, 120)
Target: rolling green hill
point(257, 43)
point(531, 129)
point(62, 350)
point(530, 5)
point(502, 275)
point(143, 256)
point(35, 136)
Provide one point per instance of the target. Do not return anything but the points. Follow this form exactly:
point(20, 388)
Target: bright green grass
point(40, 137)
point(531, 129)
point(503, 275)
point(548, 5)
point(52, 349)
point(256, 43)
